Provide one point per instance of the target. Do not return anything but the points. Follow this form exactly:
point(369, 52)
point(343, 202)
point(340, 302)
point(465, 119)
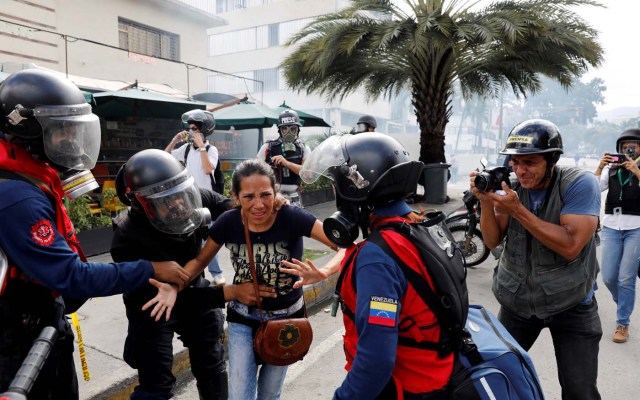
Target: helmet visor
point(173, 206)
point(328, 154)
point(71, 135)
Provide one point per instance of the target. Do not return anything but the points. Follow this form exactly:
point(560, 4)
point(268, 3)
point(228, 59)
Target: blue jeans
point(620, 254)
point(214, 265)
point(245, 376)
point(576, 335)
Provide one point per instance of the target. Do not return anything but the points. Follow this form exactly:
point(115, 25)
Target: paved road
point(317, 376)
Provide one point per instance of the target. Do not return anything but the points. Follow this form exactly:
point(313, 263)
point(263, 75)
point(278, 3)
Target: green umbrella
point(306, 119)
point(122, 104)
point(245, 115)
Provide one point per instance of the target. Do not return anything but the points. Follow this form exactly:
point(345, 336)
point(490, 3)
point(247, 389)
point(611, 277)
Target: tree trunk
point(432, 107)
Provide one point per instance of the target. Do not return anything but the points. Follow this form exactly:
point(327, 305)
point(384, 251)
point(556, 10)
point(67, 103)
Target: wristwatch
point(201, 149)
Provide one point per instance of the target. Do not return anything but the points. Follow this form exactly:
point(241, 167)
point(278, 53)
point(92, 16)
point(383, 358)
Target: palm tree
point(379, 46)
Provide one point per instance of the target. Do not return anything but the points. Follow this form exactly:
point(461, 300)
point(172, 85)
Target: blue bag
point(490, 364)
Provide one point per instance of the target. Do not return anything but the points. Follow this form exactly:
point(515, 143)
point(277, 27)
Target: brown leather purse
point(277, 341)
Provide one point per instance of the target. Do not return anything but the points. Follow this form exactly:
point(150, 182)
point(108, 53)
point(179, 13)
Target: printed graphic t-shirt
point(283, 241)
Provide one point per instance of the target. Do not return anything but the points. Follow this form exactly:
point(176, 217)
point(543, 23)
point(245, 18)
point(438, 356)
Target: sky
point(619, 29)
point(618, 25)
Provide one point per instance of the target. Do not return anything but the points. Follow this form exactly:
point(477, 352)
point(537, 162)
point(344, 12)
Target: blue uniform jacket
point(29, 237)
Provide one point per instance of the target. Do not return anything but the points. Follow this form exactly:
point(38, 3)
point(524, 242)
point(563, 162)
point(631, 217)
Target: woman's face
point(256, 198)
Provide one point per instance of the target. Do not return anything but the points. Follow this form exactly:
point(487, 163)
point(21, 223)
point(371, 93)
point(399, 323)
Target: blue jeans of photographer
point(576, 335)
point(619, 268)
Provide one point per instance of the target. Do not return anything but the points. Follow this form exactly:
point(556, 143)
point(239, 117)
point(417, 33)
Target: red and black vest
point(17, 160)
point(419, 368)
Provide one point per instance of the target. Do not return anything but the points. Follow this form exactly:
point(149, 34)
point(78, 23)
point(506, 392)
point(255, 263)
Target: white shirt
point(620, 222)
point(194, 163)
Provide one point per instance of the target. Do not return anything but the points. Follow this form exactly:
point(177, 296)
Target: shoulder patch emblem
point(42, 233)
point(382, 311)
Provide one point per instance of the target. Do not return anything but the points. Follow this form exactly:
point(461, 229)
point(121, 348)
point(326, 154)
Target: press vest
point(284, 174)
point(626, 197)
point(533, 280)
point(418, 367)
point(16, 160)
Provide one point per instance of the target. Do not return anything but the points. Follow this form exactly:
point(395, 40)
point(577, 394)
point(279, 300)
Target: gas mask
point(342, 228)
point(289, 135)
point(76, 183)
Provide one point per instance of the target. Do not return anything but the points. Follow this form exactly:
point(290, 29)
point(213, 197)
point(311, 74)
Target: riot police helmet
point(373, 169)
point(156, 183)
point(49, 114)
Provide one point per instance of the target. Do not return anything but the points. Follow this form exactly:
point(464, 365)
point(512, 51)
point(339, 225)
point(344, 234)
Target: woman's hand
point(308, 272)
point(163, 302)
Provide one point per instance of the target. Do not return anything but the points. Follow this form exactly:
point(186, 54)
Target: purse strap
point(252, 263)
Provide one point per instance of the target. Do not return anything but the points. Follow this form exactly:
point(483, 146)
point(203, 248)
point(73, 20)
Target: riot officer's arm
point(215, 202)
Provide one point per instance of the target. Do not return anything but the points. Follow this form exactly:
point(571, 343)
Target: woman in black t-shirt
point(276, 236)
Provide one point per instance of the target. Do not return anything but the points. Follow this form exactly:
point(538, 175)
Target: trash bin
point(434, 179)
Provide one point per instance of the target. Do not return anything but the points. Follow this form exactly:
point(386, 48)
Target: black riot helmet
point(204, 120)
point(629, 135)
point(365, 122)
point(49, 114)
point(156, 183)
point(535, 136)
point(366, 171)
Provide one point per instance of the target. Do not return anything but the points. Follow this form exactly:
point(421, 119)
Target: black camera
point(490, 180)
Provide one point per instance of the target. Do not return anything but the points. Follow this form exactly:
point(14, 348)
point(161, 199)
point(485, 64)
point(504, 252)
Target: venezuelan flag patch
point(382, 311)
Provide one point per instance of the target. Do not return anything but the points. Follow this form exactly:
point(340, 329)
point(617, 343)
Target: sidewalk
point(104, 324)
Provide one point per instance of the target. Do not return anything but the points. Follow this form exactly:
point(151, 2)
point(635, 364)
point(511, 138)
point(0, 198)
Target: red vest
point(417, 370)
point(16, 159)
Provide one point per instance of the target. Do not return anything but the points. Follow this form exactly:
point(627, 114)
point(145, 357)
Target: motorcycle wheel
point(478, 251)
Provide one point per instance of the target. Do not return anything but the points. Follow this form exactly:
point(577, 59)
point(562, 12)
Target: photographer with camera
point(201, 160)
point(619, 174)
point(547, 272)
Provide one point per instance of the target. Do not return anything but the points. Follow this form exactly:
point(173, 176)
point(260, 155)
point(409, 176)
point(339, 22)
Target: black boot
point(215, 388)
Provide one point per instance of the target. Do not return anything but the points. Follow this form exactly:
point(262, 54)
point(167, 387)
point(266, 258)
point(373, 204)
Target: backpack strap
point(420, 285)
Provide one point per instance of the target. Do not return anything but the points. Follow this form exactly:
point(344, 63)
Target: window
point(149, 41)
point(271, 79)
point(223, 6)
point(260, 37)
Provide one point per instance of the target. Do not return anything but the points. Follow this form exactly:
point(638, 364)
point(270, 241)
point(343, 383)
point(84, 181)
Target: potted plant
point(93, 229)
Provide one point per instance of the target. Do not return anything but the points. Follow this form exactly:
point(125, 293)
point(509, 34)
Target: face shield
point(174, 206)
point(328, 154)
point(71, 135)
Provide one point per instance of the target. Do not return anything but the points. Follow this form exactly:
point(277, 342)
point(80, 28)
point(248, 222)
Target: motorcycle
point(465, 229)
point(464, 226)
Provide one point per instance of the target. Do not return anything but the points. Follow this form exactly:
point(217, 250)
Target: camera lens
point(482, 181)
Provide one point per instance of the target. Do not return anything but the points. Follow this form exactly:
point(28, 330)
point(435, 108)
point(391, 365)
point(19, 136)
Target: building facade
point(119, 40)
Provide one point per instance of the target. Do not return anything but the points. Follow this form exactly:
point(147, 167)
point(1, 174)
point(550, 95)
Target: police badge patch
point(42, 233)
